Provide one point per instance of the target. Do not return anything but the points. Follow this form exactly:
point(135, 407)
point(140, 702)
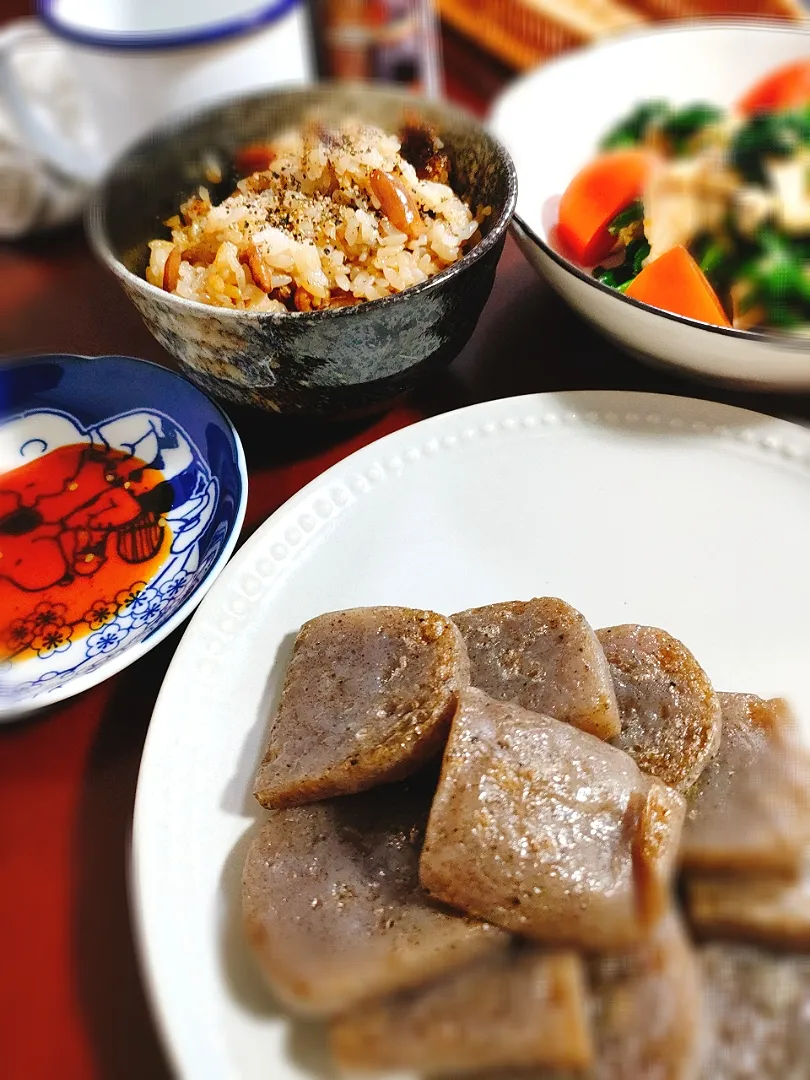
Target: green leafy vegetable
point(777, 279)
point(619, 277)
point(676, 127)
point(770, 271)
point(632, 130)
point(681, 126)
point(628, 228)
point(638, 255)
point(720, 258)
point(768, 135)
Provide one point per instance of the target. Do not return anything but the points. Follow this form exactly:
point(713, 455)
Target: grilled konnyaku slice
point(368, 698)
point(543, 655)
point(548, 831)
point(670, 714)
point(333, 908)
point(520, 1006)
point(750, 811)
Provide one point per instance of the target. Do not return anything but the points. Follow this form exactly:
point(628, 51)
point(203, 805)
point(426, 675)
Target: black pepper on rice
point(340, 216)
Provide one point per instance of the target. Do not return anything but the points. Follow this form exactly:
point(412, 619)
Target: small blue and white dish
point(122, 494)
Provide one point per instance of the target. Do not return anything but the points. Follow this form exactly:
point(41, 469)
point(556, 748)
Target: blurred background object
point(523, 33)
point(35, 196)
point(390, 40)
point(85, 80)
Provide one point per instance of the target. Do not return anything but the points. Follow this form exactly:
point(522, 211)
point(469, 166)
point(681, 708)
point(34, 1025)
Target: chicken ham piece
point(750, 811)
point(543, 655)
point(516, 1008)
point(670, 715)
point(367, 699)
point(685, 198)
point(332, 904)
point(547, 831)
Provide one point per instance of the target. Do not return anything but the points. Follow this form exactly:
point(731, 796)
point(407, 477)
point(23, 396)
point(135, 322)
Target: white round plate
point(634, 507)
point(599, 85)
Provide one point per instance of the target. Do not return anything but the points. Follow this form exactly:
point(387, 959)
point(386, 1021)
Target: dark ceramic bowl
point(341, 361)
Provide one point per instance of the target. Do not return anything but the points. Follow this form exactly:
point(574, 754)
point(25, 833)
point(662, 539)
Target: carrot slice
point(675, 282)
point(593, 199)
point(786, 88)
point(255, 157)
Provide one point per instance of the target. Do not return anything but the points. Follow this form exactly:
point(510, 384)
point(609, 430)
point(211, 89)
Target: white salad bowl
point(552, 120)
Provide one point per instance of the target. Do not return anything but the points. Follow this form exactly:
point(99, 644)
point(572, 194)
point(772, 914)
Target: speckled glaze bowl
point(339, 362)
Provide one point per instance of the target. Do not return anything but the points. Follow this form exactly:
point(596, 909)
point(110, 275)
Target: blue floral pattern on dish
point(200, 523)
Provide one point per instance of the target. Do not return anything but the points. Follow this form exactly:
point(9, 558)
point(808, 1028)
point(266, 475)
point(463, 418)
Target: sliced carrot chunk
point(255, 157)
point(675, 282)
point(594, 197)
point(786, 88)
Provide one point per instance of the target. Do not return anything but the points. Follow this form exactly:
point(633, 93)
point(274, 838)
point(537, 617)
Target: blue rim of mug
point(264, 14)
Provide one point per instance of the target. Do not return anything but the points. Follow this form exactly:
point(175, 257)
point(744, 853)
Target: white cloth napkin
point(33, 196)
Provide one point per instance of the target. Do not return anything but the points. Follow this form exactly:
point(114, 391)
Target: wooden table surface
point(71, 1001)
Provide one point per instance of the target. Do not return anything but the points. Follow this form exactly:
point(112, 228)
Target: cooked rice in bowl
point(330, 218)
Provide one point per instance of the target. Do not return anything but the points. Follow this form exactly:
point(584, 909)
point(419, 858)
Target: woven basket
point(511, 30)
point(521, 34)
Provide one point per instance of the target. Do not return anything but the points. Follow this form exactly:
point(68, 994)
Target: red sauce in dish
point(82, 532)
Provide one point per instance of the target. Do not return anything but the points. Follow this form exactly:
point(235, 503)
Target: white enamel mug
point(139, 61)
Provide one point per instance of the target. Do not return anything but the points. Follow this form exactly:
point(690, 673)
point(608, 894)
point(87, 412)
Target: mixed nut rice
point(323, 217)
